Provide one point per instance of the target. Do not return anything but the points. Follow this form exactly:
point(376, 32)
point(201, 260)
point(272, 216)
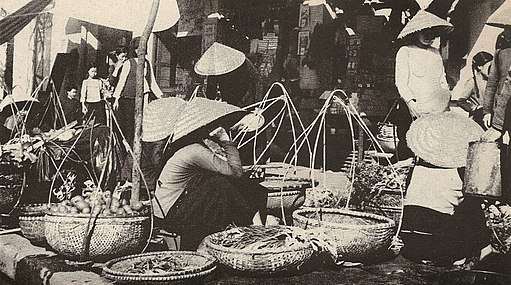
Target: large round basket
point(286, 192)
point(12, 180)
point(111, 237)
point(31, 221)
point(192, 266)
point(357, 235)
point(265, 261)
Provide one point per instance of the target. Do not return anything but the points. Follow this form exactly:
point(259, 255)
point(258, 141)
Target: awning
point(129, 15)
point(15, 22)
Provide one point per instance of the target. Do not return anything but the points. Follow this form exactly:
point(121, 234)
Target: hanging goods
point(482, 174)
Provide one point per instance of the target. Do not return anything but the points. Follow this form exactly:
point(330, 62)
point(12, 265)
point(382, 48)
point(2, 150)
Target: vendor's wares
point(159, 267)
point(31, 221)
point(356, 235)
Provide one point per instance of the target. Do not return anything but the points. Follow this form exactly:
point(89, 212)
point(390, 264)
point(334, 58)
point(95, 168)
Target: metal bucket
point(482, 173)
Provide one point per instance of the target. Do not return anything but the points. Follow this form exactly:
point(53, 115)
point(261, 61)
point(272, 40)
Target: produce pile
point(99, 203)
point(257, 238)
point(158, 265)
point(498, 219)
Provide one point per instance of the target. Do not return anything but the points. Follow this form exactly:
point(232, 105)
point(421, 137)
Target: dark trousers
point(97, 111)
point(210, 204)
point(126, 118)
point(431, 235)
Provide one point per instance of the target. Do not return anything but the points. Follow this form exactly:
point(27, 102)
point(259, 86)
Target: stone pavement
point(28, 264)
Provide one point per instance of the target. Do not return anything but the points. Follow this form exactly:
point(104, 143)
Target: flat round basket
point(290, 200)
point(182, 265)
point(112, 236)
point(31, 221)
point(357, 235)
point(282, 183)
point(268, 260)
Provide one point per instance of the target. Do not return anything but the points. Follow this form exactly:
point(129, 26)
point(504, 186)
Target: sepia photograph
point(275, 142)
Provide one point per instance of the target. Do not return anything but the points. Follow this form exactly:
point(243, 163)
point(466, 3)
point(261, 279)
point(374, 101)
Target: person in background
point(121, 55)
point(470, 93)
point(71, 106)
point(125, 91)
point(201, 188)
point(91, 97)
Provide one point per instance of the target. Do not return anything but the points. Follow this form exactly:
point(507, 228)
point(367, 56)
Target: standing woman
point(91, 97)
point(420, 75)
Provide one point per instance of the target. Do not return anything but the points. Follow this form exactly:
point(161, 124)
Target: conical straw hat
point(502, 17)
point(219, 59)
point(425, 20)
point(160, 118)
point(442, 139)
point(205, 113)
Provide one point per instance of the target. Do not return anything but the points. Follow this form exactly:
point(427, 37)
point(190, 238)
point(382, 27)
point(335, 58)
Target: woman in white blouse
point(420, 76)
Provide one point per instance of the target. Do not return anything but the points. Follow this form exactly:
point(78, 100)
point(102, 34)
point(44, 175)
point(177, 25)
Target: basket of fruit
point(356, 235)
point(31, 221)
point(285, 192)
point(259, 249)
point(12, 180)
point(98, 227)
point(164, 266)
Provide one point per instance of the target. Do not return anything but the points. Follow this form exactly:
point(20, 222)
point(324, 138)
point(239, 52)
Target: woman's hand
point(116, 104)
point(84, 109)
point(491, 135)
point(220, 134)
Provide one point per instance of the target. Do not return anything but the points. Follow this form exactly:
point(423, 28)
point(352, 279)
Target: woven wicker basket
point(112, 236)
point(197, 266)
point(268, 261)
point(393, 213)
point(31, 221)
point(290, 200)
point(12, 180)
point(357, 235)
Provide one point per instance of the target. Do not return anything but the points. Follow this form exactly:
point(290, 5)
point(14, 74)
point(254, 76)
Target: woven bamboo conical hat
point(219, 59)
point(502, 17)
point(424, 20)
point(442, 139)
point(206, 113)
point(160, 118)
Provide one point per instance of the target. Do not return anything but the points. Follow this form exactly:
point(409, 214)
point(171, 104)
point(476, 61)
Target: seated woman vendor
point(200, 189)
point(440, 223)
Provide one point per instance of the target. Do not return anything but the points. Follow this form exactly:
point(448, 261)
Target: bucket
point(482, 173)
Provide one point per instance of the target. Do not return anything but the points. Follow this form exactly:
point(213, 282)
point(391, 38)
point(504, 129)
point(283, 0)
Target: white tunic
point(420, 76)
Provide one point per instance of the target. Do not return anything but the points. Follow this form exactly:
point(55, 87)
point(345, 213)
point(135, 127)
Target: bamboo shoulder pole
point(139, 98)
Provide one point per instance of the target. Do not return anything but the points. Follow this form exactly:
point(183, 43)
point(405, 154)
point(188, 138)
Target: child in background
point(91, 97)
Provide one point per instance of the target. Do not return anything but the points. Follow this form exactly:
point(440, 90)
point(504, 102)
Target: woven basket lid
point(219, 59)
point(160, 118)
point(425, 20)
point(203, 113)
point(502, 17)
point(442, 139)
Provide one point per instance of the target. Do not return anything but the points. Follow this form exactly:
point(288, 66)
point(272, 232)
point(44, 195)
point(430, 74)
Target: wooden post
point(139, 98)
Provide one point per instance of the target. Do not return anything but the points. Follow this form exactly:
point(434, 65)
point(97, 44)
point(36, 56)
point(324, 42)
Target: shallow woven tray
point(269, 260)
point(281, 183)
point(113, 236)
point(357, 235)
point(201, 265)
